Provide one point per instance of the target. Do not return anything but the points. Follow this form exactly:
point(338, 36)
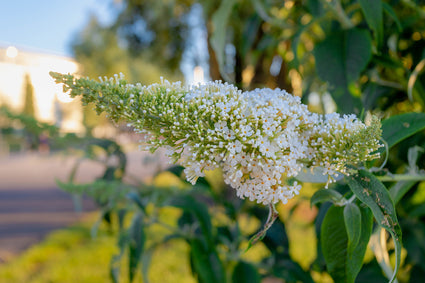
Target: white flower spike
point(259, 138)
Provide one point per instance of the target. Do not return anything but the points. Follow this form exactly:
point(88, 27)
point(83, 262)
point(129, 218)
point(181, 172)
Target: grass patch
point(71, 255)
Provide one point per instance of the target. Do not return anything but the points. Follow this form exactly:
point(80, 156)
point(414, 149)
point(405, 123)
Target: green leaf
point(198, 210)
point(277, 242)
point(372, 11)
point(146, 262)
point(177, 170)
point(343, 258)
point(400, 189)
point(114, 268)
point(290, 271)
point(374, 194)
point(115, 264)
point(148, 253)
point(389, 10)
point(356, 254)
point(295, 40)
point(415, 245)
point(388, 62)
point(276, 239)
point(340, 58)
point(136, 243)
point(315, 8)
point(315, 176)
point(326, 195)
point(206, 263)
point(413, 154)
point(261, 9)
point(133, 196)
point(418, 211)
point(355, 218)
point(245, 273)
point(94, 229)
point(71, 187)
point(249, 33)
point(371, 273)
point(400, 127)
point(218, 37)
point(121, 218)
point(352, 220)
point(371, 94)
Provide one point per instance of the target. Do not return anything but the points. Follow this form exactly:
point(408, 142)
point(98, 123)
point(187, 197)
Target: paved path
point(31, 205)
point(27, 215)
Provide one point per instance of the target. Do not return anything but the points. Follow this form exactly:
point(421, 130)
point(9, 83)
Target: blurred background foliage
point(350, 55)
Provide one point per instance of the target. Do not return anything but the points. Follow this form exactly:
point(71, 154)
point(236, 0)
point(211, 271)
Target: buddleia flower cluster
point(260, 139)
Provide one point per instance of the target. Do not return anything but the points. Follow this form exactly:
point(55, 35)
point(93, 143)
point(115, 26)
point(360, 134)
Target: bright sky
point(47, 25)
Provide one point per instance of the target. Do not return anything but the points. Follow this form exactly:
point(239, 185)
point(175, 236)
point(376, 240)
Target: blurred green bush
point(365, 55)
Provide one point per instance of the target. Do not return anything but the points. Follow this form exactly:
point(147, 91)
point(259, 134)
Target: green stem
point(351, 199)
point(184, 234)
point(273, 214)
point(414, 6)
point(401, 177)
point(336, 7)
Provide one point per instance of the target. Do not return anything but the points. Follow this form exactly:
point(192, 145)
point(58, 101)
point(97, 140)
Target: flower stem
point(336, 7)
point(273, 214)
point(351, 199)
point(401, 177)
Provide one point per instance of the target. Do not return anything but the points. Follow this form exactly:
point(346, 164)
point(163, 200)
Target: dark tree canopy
point(28, 108)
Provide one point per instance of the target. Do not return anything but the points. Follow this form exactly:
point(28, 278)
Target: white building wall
point(13, 68)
